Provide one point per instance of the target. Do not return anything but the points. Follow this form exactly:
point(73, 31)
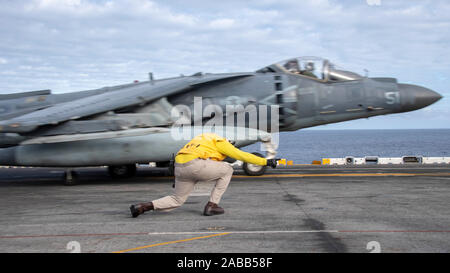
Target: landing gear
point(122, 171)
point(70, 178)
point(171, 168)
point(254, 170)
point(170, 165)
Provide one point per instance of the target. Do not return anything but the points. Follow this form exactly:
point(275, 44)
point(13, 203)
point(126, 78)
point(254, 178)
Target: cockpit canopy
point(313, 67)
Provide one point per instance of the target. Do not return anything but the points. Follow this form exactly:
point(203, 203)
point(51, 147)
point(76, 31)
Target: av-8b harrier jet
point(131, 124)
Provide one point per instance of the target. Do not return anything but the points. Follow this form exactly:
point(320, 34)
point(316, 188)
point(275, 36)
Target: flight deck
point(298, 208)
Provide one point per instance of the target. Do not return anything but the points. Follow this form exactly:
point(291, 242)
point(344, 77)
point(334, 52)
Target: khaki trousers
point(188, 174)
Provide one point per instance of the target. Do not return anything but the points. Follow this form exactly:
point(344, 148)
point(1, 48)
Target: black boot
point(213, 209)
point(139, 209)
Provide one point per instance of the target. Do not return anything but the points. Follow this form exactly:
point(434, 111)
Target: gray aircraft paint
point(137, 146)
point(303, 102)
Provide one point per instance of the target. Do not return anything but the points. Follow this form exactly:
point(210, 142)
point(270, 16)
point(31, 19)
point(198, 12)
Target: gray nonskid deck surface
point(281, 212)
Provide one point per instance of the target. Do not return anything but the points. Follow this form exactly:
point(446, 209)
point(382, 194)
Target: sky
point(73, 45)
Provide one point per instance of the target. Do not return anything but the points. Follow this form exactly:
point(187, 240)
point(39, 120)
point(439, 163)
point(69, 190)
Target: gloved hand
point(272, 162)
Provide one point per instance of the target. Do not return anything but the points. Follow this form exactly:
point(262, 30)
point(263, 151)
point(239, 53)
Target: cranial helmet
point(309, 66)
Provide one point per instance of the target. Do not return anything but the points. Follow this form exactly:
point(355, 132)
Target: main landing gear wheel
point(122, 171)
point(171, 171)
point(254, 170)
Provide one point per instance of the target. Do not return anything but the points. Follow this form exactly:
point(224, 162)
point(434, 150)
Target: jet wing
point(90, 136)
point(242, 134)
point(124, 97)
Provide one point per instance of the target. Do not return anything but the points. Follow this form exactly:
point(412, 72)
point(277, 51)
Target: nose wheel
point(256, 170)
point(252, 169)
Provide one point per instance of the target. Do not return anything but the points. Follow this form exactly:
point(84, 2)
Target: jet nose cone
point(416, 97)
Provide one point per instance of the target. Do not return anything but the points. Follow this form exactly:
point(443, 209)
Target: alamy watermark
point(373, 247)
point(74, 247)
point(235, 122)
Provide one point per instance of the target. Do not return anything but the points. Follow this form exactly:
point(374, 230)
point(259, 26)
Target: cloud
point(224, 23)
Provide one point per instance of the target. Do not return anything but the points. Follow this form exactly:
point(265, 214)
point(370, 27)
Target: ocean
point(304, 146)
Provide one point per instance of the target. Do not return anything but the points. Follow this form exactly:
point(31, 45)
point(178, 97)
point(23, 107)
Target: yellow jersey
point(215, 147)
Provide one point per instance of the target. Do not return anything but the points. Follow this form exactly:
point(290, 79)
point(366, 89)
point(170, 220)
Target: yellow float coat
point(215, 147)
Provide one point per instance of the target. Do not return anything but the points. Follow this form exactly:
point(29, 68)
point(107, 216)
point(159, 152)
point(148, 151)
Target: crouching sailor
point(202, 160)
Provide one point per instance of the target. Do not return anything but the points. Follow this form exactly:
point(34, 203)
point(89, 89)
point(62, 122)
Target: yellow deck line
point(343, 174)
point(172, 242)
point(327, 175)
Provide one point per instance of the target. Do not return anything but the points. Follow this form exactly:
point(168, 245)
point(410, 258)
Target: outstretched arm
point(226, 148)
